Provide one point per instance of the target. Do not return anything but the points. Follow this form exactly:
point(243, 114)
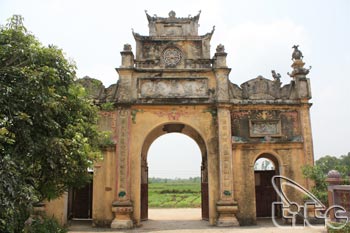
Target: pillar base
point(122, 224)
point(227, 214)
point(122, 212)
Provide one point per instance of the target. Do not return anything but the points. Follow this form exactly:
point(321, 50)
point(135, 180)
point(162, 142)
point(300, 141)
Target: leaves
point(318, 173)
point(48, 134)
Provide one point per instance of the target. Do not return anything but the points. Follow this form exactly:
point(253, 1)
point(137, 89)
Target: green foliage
point(105, 139)
point(44, 225)
point(178, 191)
point(345, 229)
point(341, 164)
point(174, 195)
point(12, 220)
point(108, 106)
point(48, 135)
point(318, 173)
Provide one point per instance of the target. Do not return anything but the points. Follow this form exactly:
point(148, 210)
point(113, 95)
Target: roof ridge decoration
point(172, 18)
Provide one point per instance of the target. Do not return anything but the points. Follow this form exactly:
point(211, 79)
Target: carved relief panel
point(172, 56)
point(259, 125)
point(261, 128)
point(173, 88)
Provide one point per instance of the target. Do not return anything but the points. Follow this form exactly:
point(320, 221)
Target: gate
point(264, 193)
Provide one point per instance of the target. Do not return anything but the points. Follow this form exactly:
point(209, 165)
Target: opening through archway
point(174, 170)
point(265, 167)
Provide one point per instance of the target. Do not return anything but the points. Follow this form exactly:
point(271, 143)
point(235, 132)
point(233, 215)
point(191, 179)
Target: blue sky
point(258, 36)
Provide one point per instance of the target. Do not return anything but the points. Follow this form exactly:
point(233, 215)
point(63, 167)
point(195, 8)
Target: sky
point(258, 37)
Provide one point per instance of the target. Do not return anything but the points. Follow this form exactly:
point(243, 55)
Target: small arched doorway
point(265, 167)
point(193, 134)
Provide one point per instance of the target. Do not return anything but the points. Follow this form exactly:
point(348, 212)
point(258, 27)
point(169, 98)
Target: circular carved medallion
point(172, 56)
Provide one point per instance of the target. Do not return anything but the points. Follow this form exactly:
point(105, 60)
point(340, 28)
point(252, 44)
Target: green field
point(174, 195)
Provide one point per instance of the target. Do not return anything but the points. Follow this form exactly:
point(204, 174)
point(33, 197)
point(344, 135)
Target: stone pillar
point(127, 57)
point(299, 72)
point(39, 209)
point(303, 93)
point(221, 73)
point(333, 178)
point(127, 90)
point(220, 57)
point(307, 133)
point(226, 206)
point(38, 212)
point(122, 206)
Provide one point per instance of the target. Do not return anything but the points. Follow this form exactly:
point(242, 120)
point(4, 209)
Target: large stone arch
point(197, 123)
point(173, 127)
point(159, 131)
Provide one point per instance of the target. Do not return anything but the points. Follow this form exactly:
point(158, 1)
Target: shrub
point(345, 229)
point(45, 225)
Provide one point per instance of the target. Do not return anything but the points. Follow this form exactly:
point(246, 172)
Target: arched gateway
point(174, 128)
point(173, 85)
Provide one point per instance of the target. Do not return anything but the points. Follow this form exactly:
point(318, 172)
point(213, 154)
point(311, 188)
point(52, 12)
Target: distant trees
point(318, 173)
point(341, 164)
point(175, 180)
point(48, 136)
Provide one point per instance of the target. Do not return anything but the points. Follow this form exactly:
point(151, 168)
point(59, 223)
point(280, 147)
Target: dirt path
point(188, 220)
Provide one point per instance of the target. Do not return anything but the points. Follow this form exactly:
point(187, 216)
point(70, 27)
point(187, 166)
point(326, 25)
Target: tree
point(318, 173)
point(328, 163)
point(345, 164)
point(48, 135)
point(319, 189)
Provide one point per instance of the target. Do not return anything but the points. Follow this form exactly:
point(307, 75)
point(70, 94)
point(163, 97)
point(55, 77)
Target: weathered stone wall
point(287, 146)
point(289, 157)
point(266, 125)
point(58, 208)
point(104, 186)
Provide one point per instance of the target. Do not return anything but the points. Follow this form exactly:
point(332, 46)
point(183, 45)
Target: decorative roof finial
point(127, 47)
point(276, 76)
point(172, 14)
point(298, 65)
point(297, 54)
point(220, 48)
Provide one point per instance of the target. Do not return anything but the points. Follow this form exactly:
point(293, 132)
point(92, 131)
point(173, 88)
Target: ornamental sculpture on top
point(298, 65)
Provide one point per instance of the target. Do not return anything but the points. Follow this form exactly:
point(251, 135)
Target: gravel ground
point(188, 220)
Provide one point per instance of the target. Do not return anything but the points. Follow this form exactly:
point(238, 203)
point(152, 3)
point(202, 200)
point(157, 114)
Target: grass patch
point(174, 195)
